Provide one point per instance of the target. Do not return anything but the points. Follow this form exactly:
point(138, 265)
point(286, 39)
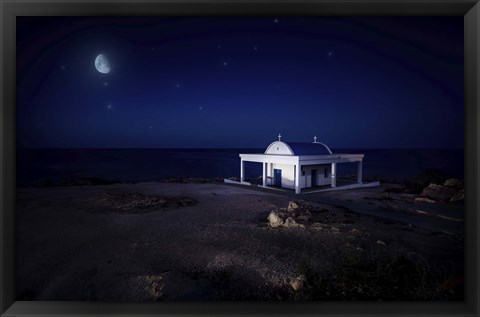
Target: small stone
point(292, 206)
point(298, 282)
point(290, 223)
point(381, 242)
point(154, 286)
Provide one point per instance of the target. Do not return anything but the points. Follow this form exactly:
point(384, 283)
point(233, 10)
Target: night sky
point(364, 82)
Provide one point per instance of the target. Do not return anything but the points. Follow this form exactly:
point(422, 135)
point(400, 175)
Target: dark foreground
point(169, 241)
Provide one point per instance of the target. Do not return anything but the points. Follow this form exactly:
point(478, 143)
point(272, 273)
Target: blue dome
point(309, 149)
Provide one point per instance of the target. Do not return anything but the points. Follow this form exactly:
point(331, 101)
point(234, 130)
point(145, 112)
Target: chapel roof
point(309, 148)
point(298, 148)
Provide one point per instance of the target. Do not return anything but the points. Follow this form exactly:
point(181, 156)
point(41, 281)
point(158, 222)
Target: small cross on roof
point(315, 139)
point(279, 137)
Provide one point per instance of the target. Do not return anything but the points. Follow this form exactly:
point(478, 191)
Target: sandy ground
point(73, 245)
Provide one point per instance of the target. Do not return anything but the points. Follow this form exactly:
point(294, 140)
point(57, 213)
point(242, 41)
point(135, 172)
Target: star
point(105, 83)
point(276, 20)
point(330, 53)
point(178, 85)
point(200, 108)
point(254, 48)
point(150, 127)
point(225, 64)
point(109, 106)
point(219, 46)
point(63, 67)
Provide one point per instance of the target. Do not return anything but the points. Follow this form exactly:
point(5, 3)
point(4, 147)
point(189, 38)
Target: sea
point(33, 165)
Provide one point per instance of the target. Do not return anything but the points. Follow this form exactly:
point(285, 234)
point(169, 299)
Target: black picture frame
point(9, 10)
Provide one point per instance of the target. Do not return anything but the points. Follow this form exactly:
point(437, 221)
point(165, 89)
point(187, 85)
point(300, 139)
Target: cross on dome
point(279, 137)
point(315, 139)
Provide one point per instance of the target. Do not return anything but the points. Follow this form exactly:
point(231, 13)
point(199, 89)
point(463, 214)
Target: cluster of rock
point(451, 191)
point(294, 216)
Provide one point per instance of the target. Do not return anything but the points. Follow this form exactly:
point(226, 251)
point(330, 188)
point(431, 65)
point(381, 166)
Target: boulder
point(417, 184)
point(459, 197)
point(438, 192)
point(275, 219)
point(454, 182)
point(292, 206)
point(290, 223)
point(298, 283)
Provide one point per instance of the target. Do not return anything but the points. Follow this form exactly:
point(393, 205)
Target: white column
point(267, 173)
point(264, 168)
point(334, 174)
point(242, 175)
point(270, 172)
point(297, 179)
point(359, 172)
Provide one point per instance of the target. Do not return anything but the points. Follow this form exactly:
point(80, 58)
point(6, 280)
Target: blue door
point(314, 178)
point(277, 177)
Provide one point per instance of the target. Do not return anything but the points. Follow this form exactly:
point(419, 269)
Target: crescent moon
point(102, 64)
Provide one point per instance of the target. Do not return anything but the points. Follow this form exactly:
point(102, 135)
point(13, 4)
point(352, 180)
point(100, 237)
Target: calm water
point(155, 164)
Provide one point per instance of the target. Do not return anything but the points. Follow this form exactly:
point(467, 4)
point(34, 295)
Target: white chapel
point(300, 165)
